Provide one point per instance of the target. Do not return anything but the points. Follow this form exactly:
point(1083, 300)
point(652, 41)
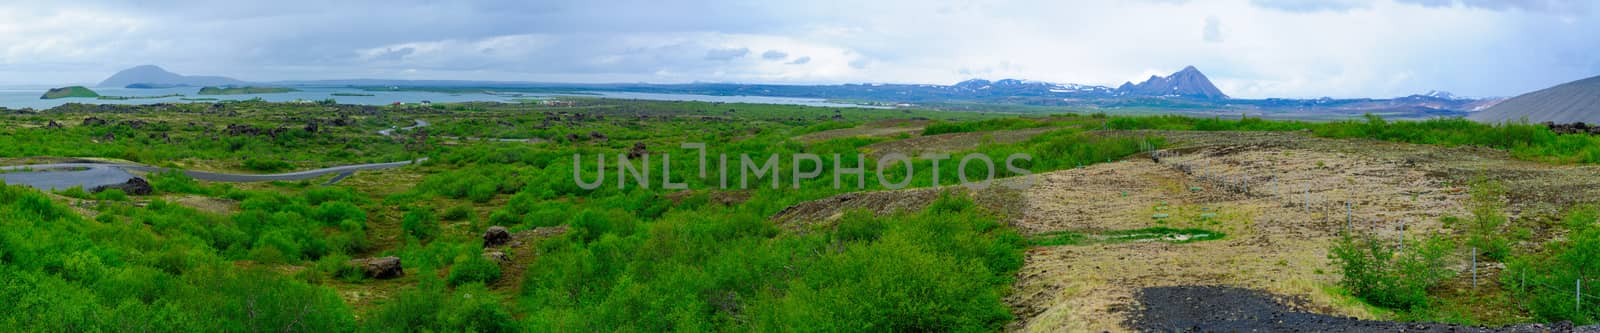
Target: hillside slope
point(1566, 103)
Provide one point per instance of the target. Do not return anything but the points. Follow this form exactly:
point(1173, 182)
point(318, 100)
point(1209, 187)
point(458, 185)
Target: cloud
point(1213, 30)
point(801, 60)
point(726, 54)
point(1312, 6)
point(774, 55)
point(1546, 6)
point(1266, 48)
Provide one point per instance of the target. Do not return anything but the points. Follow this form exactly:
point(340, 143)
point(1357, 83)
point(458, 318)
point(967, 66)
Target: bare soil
point(1279, 196)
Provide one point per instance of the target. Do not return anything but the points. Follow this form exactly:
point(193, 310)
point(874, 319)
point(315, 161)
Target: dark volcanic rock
point(380, 268)
point(496, 236)
point(1228, 309)
point(134, 186)
point(638, 150)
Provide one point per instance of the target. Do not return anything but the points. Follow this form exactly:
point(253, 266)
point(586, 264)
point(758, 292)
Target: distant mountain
point(153, 76)
point(1566, 103)
point(1188, 82)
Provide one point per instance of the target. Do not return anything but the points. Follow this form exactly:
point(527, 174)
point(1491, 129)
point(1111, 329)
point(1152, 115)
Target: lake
point(18, 98)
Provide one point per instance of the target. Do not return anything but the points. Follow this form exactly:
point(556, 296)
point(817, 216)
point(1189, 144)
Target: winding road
point(59, 176)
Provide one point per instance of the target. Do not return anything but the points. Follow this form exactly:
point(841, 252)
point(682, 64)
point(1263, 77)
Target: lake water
point(18, 98)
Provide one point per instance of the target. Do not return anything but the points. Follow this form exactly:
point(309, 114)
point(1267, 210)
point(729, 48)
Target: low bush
point(1376, 273)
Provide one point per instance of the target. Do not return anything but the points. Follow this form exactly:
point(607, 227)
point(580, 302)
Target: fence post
point(1577, 296)
point(1305, 205)
point(1474, 267)
point(1402, 235)
point(1347, 212)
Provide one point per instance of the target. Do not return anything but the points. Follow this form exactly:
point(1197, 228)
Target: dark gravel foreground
point(1227, 309)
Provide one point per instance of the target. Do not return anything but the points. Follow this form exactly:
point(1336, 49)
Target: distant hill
point(1188, 82)
point(151, 76)
point(69, 92)
point(1566, 103)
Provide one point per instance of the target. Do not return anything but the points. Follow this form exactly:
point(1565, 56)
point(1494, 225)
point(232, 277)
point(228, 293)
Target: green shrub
point(1374, 272)
point(1486, 229)
point(457, 213)
point(333, 213)
point(112, 194)
point(1547, 279)
point(420, 223)
point(474, 269)
point(175, 181)
point(75, 192)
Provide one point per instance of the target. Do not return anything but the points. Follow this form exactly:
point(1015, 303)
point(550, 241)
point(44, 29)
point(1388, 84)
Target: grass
point(69, 92)
point(1161, 234)
point(631, 260)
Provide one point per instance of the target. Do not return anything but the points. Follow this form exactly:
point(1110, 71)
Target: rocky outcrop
point(380, 268)
point(496, 236)
point(134, 186)
point(1573, 128)
point(637, 151)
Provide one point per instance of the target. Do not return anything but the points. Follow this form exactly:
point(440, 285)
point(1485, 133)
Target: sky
point(1249, 48)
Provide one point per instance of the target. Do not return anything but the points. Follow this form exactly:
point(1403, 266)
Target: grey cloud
point(726, 54)
point(801, 60)
point(395, 54)
point(859, 63)
point(1213, 30)
point(774, 55)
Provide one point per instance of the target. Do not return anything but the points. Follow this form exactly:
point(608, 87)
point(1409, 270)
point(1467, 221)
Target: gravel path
point(1227, 309)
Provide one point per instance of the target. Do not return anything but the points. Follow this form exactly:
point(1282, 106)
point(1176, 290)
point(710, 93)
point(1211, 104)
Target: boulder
point(380, 268)
point(638, 150)
point(134, 186)
point(496, 236)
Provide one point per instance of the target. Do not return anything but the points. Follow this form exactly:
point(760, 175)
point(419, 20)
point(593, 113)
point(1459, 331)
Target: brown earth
point(1279, 197)
point(952, 142)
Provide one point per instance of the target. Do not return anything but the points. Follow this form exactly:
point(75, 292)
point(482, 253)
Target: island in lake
point(244, 90)
point(69, 92)
point(351, 94)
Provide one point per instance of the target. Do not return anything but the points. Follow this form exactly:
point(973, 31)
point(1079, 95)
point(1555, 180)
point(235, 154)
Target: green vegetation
point(1547, 278)
point(1378, 274)
point(984, 125)
point(1524, 141)
point(200, 256)
point(244, 90)
point(69, 92)
point(1161, 234)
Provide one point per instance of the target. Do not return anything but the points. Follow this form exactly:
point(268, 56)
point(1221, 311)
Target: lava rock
point(496, 236)
point(134, 186)
point(381, 267)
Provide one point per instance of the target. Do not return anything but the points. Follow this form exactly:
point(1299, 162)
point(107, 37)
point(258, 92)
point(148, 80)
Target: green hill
point(244, 90)
point(69, 92)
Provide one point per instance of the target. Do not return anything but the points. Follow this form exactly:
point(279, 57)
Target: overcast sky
point(1250, 48)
